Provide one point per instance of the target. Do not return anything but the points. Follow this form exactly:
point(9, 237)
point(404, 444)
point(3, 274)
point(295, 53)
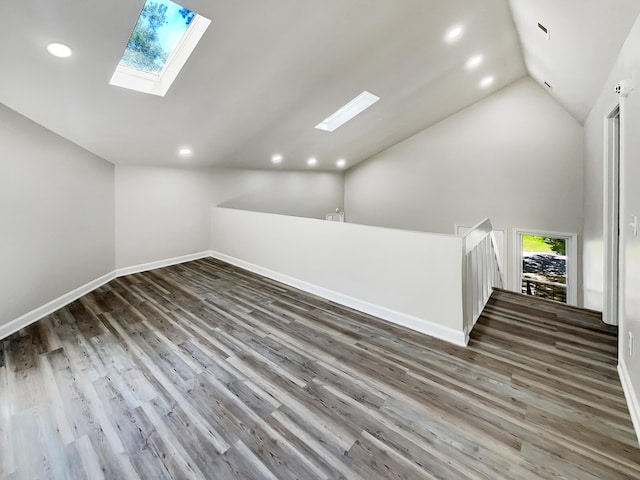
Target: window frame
point(159, 84)
point(571, 254)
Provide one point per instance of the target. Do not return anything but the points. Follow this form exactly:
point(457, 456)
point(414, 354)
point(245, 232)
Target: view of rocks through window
point(544, 267)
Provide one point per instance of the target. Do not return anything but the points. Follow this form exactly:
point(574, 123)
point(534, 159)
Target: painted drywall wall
point(164, 212)
point(407, 277)
point(161, 213)
point(56, 216)
point(627, 67)
point(593, 228)
point(515, 157)
point(594, 248)
point(300, 194)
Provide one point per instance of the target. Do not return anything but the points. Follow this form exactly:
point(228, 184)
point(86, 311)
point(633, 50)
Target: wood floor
point(203, 370)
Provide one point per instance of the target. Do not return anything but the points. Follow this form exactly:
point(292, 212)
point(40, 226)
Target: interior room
point(176, 303)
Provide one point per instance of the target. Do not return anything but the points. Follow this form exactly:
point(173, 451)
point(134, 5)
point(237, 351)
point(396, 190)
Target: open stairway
point(546, 309)
point(568, 342)
point(205, 367)
point(566, 358)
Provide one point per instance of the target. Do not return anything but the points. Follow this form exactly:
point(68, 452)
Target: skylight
point(348, 111)
point(162, 40)
point(160, 26)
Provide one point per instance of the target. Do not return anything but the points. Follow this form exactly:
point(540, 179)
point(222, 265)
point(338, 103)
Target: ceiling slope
point(584, 39)
point(264, 74)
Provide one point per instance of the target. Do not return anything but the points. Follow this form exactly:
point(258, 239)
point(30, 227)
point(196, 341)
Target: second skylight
point(348, 111)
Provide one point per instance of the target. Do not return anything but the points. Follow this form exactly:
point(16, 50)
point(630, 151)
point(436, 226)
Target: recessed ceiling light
point(312, 162)
point(59, 50)
point(473, 62)
point(341, 163)
point(277, 158)
point(348, 111)
point(454, 33)
point(185, 152)
point(486, 82)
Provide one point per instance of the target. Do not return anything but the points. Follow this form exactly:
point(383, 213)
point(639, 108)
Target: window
point(546, 265)
point(163, 39)
point(348, 111)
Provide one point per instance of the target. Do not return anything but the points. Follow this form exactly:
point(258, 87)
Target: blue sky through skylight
point(160, 27)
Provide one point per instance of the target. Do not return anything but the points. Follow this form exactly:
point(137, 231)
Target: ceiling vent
point(545, 30)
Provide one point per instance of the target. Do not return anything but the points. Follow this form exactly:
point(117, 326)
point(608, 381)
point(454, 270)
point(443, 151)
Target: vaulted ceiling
point(267, 71)
point(584, 38)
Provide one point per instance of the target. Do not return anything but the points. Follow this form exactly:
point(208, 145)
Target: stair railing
point(481, 271)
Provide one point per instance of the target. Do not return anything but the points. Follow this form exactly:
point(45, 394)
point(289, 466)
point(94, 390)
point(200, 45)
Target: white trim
point(611, 213)
point(409, 321)
point(63, 300)
point(144, 267)
point(34, 315)
point(460, 229)
point(414, 323)
point(572, 259)
point(630, 395)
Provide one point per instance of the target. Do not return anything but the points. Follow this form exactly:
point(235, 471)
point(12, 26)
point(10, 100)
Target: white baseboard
point(63, 300)
point(409, 321)
point(414, 323)
point(630, 395)
point(47, 309)
point(145, 267)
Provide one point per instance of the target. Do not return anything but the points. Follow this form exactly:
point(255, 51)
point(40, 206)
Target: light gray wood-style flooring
point(203, 370)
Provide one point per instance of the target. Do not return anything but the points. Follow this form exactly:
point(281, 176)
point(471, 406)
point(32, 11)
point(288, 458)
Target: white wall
point(163, 213)
point(56, 216)
point(594, 174)
point(301, 194)
point(410, 278)
point(626, 67)
point(593, 228)
point(515, 157)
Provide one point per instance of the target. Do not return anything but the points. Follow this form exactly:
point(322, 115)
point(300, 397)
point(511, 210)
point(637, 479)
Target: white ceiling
point(267, 71)
point(585, 37)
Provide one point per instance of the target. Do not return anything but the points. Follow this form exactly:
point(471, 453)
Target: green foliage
point(187, 15)
point(155, 14)
point(558, 245)
point(143, 50)
point(532, 243)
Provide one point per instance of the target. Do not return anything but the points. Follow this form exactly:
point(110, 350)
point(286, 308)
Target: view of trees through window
point(544, 267)
point(160, 26)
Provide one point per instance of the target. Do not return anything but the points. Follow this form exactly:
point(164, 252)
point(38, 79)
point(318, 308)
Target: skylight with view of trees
point(160, 27)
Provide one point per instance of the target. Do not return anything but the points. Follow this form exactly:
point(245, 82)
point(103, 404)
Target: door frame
point(572, 259)
point(611, 211)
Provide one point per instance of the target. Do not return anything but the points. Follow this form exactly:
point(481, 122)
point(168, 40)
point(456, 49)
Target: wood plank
point(204, 370)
